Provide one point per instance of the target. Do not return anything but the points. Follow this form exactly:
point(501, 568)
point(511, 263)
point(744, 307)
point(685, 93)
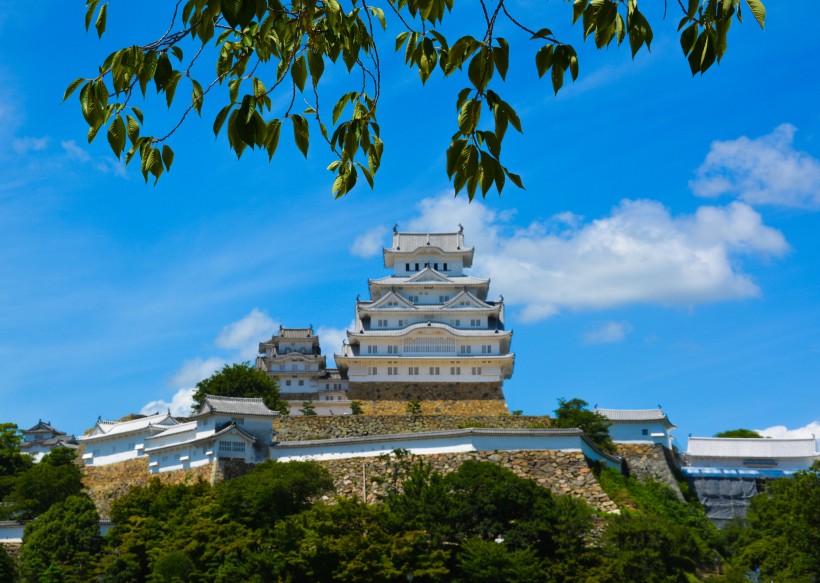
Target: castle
point(427, 333)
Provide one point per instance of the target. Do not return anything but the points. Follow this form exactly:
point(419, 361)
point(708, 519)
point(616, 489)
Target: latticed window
point(432, 344)
point(237, 446)
point(413, 370)
point(455, 370)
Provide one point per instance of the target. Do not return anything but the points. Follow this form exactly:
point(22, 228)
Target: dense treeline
point(282, 522)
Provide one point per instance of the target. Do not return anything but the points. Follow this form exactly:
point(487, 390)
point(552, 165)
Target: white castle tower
point(294, 357)
point(428, 331)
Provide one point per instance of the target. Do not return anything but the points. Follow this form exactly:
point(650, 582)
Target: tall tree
point(12, 461)
point(241, 380)
point(574, 414)
point(260, 47)
point(62, 542)
point(742, 433)
point(53, 480)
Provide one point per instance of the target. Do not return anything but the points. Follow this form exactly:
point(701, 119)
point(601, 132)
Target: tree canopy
point(573, 413)
point(246, 53)
point(742, 433)
point(241, 380)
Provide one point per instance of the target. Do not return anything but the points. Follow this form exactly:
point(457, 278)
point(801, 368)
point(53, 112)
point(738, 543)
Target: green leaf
point(72, 88)
point(177, 52)
point(543, 59)
point(196, 95)
point(167, 156)
point(133, 128)
point(480, 70)
point(220, 119)
point(299, 72)
point(515, 178)
point(501, 57)
point(272, 140)
point(300, 133)
point(89, 13)
point(758, 11)
point(116, 136)
point(316, 65)
point(100, 22)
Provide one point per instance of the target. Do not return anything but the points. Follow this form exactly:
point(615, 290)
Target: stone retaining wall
point(650, 461)
point(302, 428)
point(437, 407)
point(107, 483)
point(424, 391)
point(562, 472)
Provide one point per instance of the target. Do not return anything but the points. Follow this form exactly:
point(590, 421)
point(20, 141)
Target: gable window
point(426, 265)
point(239, 420)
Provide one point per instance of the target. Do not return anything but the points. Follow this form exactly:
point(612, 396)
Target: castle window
point(407, 267)
point(382, 323)
point(372, 370)
point(486, 349)
point(445, 267)
point(426, 265)
point(413, 370)
point(475, 322)
point(301, 383)
point(417, 266)
point(435, 266)
point(294, 368)
point(466, 349)
point(455, 370)
point(393, 371)
point(287, 382)
point(476, 370)
point(455, 322)
point(414, 299)
point(434, 371)
point(371, 349)
point(644, 432)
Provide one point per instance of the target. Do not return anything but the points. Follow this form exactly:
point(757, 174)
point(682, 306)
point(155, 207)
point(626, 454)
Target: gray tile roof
point(632, 414)
point(725, 447)
point(453, 280)
point(235, 406)
point(296, 333)
point(407, 330)
point(409, 242)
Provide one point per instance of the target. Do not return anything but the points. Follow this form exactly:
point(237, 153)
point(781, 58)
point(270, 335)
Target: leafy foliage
point(782, 535)
point(63, 541)
point(356, 408)
point(53, 480)
point(260, 47)
point(12, 462)
point(574, 414)
point(308, 408)
point(241, 380)
point(8, 570)
point(742, 433)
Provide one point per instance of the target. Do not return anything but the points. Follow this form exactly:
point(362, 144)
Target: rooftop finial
point(460, 228)
point(396, 228)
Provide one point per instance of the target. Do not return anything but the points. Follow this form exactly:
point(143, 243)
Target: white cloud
point(766, 170)
point(781, 431)
point(608, 333)
point(369, 244)
point(244, 335)
point(639, 253)
point(180, 404)
point(331, 340)
point(74, 151)
point(195, 370)
point(28, 144)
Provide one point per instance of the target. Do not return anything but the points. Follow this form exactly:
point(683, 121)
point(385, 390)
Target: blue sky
point(664, 251)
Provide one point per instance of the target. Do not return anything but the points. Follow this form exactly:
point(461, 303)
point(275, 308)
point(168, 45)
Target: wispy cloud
point(244, 335)
point(781, 431)
point(639, 253)
point(180, 404)
point(765, 170)
point(608, 333)
point(23, 146)
point(369, 244)
point(331, 340)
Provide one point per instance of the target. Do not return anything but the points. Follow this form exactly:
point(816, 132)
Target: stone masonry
point(650, 461)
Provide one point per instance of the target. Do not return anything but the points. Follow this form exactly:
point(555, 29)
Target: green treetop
point(241, 380)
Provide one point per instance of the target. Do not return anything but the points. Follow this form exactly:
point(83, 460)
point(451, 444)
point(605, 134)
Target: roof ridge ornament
point(395, 229)
point(460, 228)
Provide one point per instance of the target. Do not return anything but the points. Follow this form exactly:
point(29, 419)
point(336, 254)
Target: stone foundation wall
point(562, 472)
point(107, 483)
point(13, 549)
point(425, 391)
point(650, 461)
point(458, 408)
point(304, 428)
